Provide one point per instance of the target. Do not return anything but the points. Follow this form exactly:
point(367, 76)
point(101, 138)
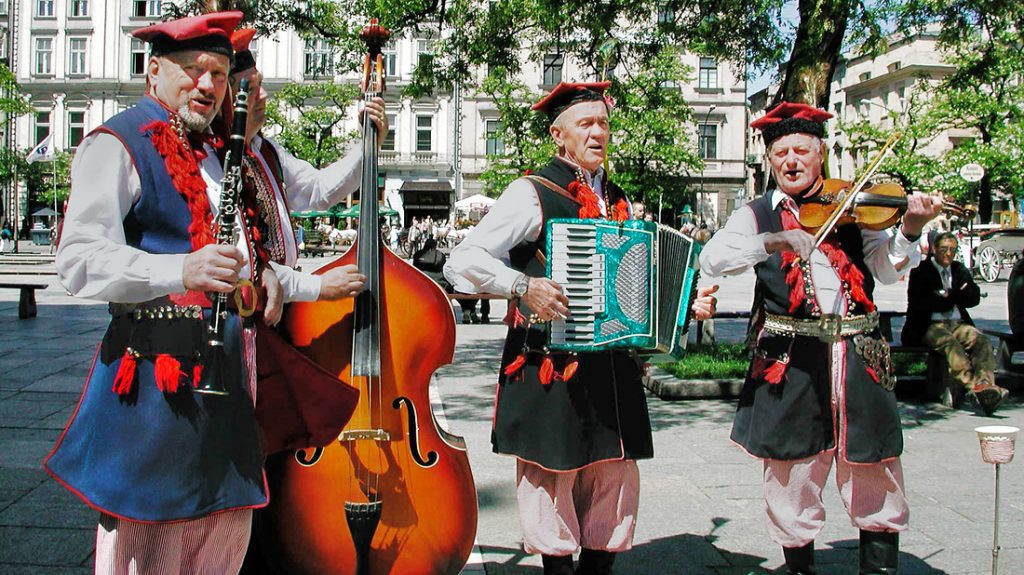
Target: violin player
point(575, 424)
point(820, 386)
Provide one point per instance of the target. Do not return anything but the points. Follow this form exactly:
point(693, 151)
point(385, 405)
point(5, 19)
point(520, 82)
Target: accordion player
point(629, 284)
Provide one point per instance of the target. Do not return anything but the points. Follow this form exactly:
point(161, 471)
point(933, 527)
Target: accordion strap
point(552, 186)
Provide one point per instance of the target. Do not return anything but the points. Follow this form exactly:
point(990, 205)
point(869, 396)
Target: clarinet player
point(174, 474)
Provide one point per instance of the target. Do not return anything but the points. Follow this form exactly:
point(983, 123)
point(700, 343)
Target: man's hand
point(275, 296)
point(705, 306)
point(375, 109)
point(341, 282)
point(545, 298)
point(797, 241)
point(921, 209)
point(212, 268)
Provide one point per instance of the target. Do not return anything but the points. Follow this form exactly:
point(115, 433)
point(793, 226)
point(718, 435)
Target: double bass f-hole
point(414, 430)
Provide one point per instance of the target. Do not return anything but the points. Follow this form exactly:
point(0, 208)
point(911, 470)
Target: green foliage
point(319, 109)
point(524, 132)
point(13, 104)
point(719, 361)
point(653, 148)
point(983, 97)
point(38, 178)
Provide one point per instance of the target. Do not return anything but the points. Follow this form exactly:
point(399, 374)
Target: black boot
point(557, 564)
point(879, 553)
point(799, 560)
point(595, 562)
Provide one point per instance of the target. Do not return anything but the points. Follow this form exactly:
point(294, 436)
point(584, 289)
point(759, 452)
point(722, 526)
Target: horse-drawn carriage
point(997, 250)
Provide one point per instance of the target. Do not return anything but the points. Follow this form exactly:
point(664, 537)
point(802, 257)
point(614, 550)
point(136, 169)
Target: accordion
point(629, 284)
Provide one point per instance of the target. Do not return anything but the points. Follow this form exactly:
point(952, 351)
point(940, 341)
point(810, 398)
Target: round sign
point(972, 172)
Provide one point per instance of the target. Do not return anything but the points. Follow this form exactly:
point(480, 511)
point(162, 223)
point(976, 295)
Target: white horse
point(343, 237)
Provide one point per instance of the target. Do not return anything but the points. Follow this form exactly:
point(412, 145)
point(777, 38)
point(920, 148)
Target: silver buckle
point(830, 326)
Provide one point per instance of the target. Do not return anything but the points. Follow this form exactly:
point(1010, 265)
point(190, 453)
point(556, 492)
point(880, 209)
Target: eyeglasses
point(946, 250)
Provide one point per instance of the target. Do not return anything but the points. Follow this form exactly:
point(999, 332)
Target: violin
point(877, 207)
point(835, 202)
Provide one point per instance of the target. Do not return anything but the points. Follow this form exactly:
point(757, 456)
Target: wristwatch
point(521, 286)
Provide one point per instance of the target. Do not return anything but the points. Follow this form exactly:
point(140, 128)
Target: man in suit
point(938, 295)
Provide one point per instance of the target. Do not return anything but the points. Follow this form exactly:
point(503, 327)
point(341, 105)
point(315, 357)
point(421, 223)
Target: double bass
point(394, 494)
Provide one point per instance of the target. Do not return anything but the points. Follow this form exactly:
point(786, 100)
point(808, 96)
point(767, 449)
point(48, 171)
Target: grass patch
point(720, 361)
point(730, 361)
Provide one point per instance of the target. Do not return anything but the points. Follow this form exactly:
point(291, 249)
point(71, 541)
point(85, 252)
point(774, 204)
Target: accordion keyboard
point(581, 272)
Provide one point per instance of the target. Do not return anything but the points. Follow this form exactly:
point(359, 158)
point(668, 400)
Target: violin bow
point(851, 198)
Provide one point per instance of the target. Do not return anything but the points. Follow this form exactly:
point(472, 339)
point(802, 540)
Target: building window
point(42, 125)
point(44, 57)
point(894, 67)
point(424, 133)
point(389, 140)
point(390, 53)
point(317, 58)
point(138, 57)
point(707, 143)
point(76, 56)
point(495, 145)
point(76, 128)
point(708, 78)
point(552, 69)
point(79, 8)
point(146, 8)
point(666, 15)
point(864, 77)
point(3, 7)
point(423, 53)
point(44, 8)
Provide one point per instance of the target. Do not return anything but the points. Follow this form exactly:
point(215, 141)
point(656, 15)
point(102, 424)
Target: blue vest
point(148, 455)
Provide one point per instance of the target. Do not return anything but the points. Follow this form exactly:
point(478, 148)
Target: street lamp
point(700, 194)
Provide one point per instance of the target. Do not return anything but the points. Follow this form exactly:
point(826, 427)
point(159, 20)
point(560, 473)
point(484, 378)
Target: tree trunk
point(819, 39)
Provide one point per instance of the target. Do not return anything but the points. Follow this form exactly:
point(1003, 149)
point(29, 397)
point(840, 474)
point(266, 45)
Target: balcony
point(413, 159)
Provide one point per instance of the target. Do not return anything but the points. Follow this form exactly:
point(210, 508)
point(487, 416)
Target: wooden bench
point(1009, 352)
point(27, 299)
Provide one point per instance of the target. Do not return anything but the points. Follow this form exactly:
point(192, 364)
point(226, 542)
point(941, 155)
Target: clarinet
point(212, 382)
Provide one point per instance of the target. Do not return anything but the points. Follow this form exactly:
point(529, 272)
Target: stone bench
point(27, 298)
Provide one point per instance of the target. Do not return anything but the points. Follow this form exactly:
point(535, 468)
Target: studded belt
point(829, 327)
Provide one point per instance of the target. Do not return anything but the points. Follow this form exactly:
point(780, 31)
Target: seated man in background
point(1015, 301)
point(938, 295)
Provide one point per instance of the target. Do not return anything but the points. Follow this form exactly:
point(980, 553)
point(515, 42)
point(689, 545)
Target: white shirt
point(305, 188)
point(479, 264)
point(93, 258)
point(946, 276)
point(737, 247)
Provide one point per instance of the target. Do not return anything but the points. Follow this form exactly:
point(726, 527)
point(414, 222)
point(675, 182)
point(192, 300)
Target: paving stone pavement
point(700, 509)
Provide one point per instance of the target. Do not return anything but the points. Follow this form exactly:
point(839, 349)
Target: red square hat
point(791, 118)
point(240, 41)
point(568, 94)
point(207, 32)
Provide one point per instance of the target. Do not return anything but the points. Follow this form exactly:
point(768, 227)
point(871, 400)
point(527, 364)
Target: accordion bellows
point(629, 284)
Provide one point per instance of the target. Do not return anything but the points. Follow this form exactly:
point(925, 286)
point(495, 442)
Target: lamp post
point(700, 194)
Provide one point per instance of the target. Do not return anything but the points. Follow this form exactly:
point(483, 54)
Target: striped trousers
point(211, 545)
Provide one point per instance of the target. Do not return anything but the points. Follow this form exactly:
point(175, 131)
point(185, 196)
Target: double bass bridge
point(364, 435)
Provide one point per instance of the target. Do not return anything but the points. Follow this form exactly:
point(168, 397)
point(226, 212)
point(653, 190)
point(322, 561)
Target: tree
point(983, 96)
point(38, 178)
point(13, 104)
point(320, 109)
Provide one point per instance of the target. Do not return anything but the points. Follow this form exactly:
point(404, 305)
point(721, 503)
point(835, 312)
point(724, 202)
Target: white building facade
point(78, 65)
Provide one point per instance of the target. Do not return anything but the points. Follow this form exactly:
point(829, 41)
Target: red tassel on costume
point(570, 370)
point(167, 371)
point(513, 317)
point(795, 281)
point(547, 370)
point(125, 373)
point(620, 211)
point(774, 373)
point(197, 373)
point(871, 372)
point(516, 364)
